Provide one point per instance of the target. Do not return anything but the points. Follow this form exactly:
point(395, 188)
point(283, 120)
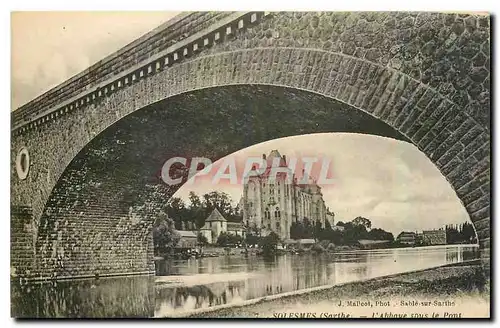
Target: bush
point(317, 248)
point(324, 243)
point(202, 240)
point(227, 239)
point(269, 243)
point(331, 247)
point(165, 237)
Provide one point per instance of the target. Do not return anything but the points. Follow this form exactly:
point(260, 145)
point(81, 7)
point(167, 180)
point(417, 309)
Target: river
point(181, 286)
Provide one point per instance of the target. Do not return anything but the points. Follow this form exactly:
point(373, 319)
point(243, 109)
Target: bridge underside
point(98, 217)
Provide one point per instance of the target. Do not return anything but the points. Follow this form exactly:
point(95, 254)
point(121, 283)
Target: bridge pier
point(23, 239)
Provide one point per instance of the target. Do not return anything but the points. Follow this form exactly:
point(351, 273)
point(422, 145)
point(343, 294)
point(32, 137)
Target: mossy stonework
point(85, 156)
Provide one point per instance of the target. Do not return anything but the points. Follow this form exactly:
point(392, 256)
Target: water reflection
point(107, 297)
point(197, 283)
point(192, 284)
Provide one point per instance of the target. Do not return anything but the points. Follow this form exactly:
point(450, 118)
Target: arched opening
point(118, 174)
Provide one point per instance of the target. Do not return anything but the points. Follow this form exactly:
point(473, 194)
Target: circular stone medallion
point(23, 163)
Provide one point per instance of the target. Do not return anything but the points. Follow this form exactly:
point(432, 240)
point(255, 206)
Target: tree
point(199, 209)
point(457, 234)
point(251, 239)
point(362, 221)
point(295, 230)
point(452, 234)
point(328, 226)
point(340, 224)
point(308, 229)
point(269, 243)
point(355, 230)
point(302, 230)
point(219, 200)
point(318, 229)
point(252, 235)
point(227, 239)
point(223, 239)
point(336, 237)
point(176, 209)
point(380, 234)
point(197, 212)
point(202, 240)
point(327, 232)
point(194, 200)
point(468, 233)
point(165, 237)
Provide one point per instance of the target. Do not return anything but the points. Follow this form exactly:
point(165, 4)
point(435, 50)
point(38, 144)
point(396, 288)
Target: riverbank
point(217, 251)
point(460, 290)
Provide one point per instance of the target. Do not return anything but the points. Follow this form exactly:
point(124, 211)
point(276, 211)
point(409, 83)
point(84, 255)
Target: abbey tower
point(272, 203)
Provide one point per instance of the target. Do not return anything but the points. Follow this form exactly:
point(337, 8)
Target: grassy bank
point(460, 284)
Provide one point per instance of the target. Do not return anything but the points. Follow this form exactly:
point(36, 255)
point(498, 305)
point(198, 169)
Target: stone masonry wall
point(22, 241)
point(449, 53)
point(126, 297)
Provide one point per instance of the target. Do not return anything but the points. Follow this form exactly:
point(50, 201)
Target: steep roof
point(407, 234)
point(215, 216)
point(272, 155)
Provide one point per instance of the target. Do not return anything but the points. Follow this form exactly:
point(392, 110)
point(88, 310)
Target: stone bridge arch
point(449, 127)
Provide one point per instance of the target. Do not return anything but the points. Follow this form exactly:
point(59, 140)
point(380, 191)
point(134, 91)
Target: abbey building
point(272, 204)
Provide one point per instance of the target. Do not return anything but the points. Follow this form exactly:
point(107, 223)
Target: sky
point(51, 47)
point(390, 182)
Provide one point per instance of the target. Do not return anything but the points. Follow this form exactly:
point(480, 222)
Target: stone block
point(480, 141)
point(478, 204)
point(483, 224)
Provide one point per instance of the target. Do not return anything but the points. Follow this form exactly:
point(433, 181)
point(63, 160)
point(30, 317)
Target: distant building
point(215, 224)
point(289, 242)
point(235, 228)
point(298, 242)
point(407, 238)
point(419, 238)
point(434, 237)
point(306, 242)
point(189, 239)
